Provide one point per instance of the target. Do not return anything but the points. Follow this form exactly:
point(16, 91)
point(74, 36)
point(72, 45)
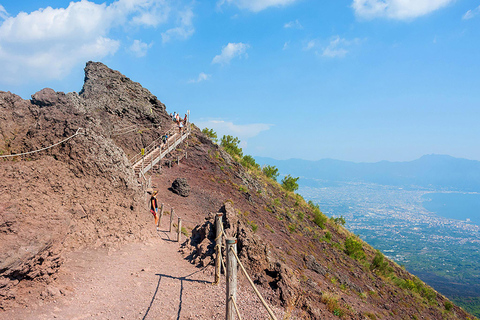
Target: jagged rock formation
point(79, 193)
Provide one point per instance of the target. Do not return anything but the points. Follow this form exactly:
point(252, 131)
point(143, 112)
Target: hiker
point(164, 139)
point(180, 127)
point(174, 118)
point(185, 119)
point(154, 208)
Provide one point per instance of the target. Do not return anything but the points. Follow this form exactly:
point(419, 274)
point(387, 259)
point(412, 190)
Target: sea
point(459, 206)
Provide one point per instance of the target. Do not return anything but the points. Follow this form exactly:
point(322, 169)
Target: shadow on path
point(153, 298)
point(182, 279)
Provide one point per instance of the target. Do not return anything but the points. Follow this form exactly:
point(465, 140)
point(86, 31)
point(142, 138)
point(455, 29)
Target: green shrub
point(378, 262)
point(270, 172)
point(249, 162)
point(292, 228)
point(320, 219)
point(253, 225)
point(339, 220)
point(230, 144)
point(353, 248)
point(289, 183)
point(211, 134)
point(328, 236)
point(448, 305)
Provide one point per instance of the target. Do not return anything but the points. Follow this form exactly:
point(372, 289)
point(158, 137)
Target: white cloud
point(256, 5)
point(293, 24)
point(3, 13)
point(48, 43)
point(471, 13)
point(286, 45)
point(231, 51)
point(201, 77)
point(336, 48)
point(310, 45)
point(242, 131)
point(140, 48)
point(396, 9)
point(185, 27)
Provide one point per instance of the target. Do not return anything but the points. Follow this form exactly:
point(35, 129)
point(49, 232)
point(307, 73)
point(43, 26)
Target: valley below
point(442, 251)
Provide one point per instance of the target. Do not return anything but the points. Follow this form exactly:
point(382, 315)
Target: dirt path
point(138, 281)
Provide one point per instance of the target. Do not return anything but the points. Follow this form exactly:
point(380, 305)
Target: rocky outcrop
point(180, 186)
point(82, 192)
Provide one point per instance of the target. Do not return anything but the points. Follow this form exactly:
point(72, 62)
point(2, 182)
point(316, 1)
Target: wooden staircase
point(156, 151)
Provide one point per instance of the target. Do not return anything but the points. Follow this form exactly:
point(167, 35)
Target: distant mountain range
point(430, 171)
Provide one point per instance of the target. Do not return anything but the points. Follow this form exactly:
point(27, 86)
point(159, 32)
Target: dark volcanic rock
point(180, 186)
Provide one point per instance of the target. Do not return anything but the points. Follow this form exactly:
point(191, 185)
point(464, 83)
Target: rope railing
point(218, 248)
point(43, 149)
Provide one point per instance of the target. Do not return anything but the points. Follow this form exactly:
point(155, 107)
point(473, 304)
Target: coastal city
point(443, 252)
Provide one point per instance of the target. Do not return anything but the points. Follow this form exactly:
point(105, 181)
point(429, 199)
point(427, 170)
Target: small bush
point(292, 228)
point(339, 220)
point(254, 226)
point(289, 183)
point(211, 134)
point(249, 162)
point(230, 144)
point(320, 219)
point(378, 262)
point(353, 248)
point(448, 305)
point(270, 172)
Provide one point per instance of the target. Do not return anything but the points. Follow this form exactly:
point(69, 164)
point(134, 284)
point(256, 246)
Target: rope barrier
point(270, 312)
point(30, 152)
point(253, 286)
point(236, 308)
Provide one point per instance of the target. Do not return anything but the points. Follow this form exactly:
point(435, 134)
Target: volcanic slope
point(86, 194)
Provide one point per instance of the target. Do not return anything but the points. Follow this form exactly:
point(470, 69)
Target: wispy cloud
point(293, 25)
point(337, 47)
point(286, 45)
point(139, 48)
point(396, 9)
point(201, 77)
point(3, 13)
point(255, 5)
point(231, 51)
point(184, 29)
point(242, 131)
point(48, 43)
point(471, 13)
point(310, 45)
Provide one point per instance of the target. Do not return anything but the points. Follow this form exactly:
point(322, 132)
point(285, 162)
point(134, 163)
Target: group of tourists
point(181, 123)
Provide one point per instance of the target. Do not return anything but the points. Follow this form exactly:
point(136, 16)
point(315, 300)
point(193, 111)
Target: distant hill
point(430, 171)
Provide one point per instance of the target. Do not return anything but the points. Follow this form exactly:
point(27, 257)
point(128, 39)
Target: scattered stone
point(180, 186)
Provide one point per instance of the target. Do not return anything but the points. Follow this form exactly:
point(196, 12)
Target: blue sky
point(358, 80)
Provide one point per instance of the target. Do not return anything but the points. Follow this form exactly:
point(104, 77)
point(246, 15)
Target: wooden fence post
point(171, 220)
point(179, 229)
point(231, 278)
point(218, 246)
point(160, 216)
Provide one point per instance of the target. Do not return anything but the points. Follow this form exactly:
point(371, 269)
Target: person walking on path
point(154, 208)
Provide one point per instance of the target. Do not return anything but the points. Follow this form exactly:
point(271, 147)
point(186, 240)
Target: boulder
point(180, 186)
